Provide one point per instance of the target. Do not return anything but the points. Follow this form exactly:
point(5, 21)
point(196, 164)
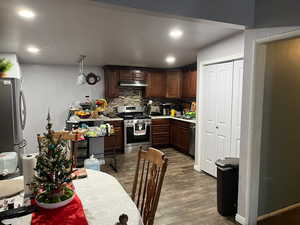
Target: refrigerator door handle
point(22, 110)
point(23, 144)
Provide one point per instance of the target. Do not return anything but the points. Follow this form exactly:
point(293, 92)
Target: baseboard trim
point(240, 219)
point(197, 168)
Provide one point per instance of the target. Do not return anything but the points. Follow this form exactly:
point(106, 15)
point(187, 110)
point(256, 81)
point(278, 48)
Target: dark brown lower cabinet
point(160, 132)
point(180, 135)
point(115, 141)
point(169, 132)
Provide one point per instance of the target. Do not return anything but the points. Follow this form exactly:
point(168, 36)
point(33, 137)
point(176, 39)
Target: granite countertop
point(175, 118)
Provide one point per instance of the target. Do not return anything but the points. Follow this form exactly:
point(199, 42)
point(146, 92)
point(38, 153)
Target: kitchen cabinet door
point(111, 83)
point(183, 140)
point(156, 85)
point(139, 75)
point(189, 84)
point(126, 75)
point(179, 136)
point(174, 84)
point(173, 134)
point(132, 75)
point(160, 132)
point(115, 141)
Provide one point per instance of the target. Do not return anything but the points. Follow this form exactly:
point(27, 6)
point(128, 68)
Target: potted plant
point(53, 172)
point(5, 66)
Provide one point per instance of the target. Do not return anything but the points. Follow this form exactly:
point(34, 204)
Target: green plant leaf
point(5, 65)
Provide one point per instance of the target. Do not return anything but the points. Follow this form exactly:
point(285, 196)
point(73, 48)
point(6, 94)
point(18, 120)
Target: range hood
point(133, 84)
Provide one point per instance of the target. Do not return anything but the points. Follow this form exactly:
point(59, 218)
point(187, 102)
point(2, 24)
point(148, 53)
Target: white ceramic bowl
point(55, 205)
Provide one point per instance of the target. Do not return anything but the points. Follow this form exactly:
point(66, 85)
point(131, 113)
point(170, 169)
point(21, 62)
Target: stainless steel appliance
point(133, 84)
point(166, 109)
point(13, 116)
point(192, 139)
point(137, 127)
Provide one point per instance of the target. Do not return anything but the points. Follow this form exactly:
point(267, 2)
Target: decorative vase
point(2, 75)
point(56, 204)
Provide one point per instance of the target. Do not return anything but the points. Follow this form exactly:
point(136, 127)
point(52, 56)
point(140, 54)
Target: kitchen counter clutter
point(102, 118)
point(172, 124)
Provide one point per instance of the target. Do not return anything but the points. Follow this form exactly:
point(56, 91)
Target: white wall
point(230, 46)
point(15, 70)
point(251, 126)
point(54, 87)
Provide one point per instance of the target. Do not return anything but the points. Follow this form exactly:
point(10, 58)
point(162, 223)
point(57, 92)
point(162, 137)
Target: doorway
point(252, 117)
point(279, 157)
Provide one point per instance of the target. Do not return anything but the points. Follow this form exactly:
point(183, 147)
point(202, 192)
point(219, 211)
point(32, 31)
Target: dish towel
point(71, 214)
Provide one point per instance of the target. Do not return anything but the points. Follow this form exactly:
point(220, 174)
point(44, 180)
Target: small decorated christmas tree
point(53, 171)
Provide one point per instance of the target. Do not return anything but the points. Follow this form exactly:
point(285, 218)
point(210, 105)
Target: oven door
point(137, 133)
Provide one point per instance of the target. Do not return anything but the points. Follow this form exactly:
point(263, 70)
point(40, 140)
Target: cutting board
point(11, 188)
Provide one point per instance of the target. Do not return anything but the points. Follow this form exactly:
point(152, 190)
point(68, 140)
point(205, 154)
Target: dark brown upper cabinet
point(174, 84)
point(133, 75)
point(112, 79)
point(189, 84)
point(162, 83)
point(156, 85)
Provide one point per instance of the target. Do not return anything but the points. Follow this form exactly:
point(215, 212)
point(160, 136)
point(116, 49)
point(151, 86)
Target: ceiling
point(65, 29)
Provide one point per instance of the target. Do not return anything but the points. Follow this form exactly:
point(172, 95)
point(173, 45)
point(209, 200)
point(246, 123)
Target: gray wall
point(54, 87)
point(277, 13)
point(230, 11)
point(280, 167)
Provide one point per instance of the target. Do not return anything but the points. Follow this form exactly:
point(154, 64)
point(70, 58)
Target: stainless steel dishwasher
point(192, 139)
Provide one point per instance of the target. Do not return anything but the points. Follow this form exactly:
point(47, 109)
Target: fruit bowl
point(44, 202)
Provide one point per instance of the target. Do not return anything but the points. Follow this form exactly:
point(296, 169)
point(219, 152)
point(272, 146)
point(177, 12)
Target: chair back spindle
point(148, 182)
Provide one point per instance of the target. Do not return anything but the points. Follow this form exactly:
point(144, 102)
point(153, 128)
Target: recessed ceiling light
point(26, 13)
point(175, 33)
point(170, 59)
point(33, 49)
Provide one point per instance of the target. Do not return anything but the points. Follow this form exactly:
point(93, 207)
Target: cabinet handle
point(217, 127)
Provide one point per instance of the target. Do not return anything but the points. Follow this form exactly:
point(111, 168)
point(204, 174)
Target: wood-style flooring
point(187, 198)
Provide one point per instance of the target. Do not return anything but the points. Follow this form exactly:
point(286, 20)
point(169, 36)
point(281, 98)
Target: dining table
point(103, 200)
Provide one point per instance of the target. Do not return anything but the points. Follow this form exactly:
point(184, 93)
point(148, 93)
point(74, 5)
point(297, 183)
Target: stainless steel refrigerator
point(12, 116)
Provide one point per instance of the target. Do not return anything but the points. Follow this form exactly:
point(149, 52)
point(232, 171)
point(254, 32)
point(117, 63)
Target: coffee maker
point(165, 109)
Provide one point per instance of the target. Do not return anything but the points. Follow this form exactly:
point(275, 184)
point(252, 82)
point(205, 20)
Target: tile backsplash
point(134, 97)
point(127, 97)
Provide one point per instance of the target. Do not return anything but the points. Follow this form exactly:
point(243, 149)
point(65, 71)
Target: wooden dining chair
point(148, 182)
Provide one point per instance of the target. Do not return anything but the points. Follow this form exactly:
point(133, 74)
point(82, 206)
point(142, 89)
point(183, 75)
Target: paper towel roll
point(29, 163)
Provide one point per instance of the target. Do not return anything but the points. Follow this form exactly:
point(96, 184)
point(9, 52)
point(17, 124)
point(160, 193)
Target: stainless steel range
point(137, 127)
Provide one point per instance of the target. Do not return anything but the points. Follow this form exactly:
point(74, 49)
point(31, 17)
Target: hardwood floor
point(187, 198)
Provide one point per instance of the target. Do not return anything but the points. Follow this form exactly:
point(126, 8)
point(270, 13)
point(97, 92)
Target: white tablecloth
point(103, 200)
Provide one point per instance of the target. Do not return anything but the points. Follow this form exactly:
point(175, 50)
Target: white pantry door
point(237, 107)
point(224, 106)
point(217, 106)
point(209, 118)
